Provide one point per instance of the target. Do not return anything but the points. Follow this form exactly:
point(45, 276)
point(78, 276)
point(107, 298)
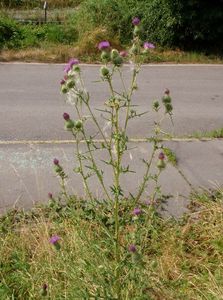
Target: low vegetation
point(182, 259)
point(179, 32)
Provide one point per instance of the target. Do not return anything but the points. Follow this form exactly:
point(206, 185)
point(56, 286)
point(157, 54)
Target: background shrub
point(193, 24)
point(10, 32)
point(16, 35)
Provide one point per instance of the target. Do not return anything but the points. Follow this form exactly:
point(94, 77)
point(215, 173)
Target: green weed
point(182, 259)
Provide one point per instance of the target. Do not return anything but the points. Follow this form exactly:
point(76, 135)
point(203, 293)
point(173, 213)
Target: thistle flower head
point(44, 289)
point(161, 156)
point(167, 91)
point(66, 116)
point(56, 162)
point(136, 21)
point(148, 45)
point(71, 63)
point(123, 53)
point(54, 239)
point(50, 195)
point(62, 82)
point(103, 45)
point(132, 248)
point(137, 211)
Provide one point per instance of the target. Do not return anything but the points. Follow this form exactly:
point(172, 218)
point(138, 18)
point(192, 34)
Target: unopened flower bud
point(161, 164)
point(78, 124)
point(69, 124)
point(135, 86)
point(77, 69)
point(156, 105)
point(134, 49)
point(166, 99)
point(105, 56)
point(64, 89)
point(114, 54)
point(57, 168)
point(118, 61)
point(168, 107)
point(136, 30)
point(70, 83)
point(104, 71)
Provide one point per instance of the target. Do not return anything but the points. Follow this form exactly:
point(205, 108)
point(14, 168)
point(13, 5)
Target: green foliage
point(177, 259)
point(194, 24)
point(15, 35)
point(10, 32)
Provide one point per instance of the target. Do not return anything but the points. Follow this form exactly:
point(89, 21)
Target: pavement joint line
point(126, 65)
point(133, 140)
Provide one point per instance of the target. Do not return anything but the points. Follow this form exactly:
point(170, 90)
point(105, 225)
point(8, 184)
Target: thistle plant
point(116, 142)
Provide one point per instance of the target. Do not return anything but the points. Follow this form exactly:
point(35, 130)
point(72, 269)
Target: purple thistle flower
point(71, 62)
point(54, 239)
point(103, 45)
point(123, 53)
point(44, 289)
point(148, 45)
point(62, 82)
point(137, 211)
point(66, 116)
point(167, 91)
point(132, 248)
point(50, 195)
point(136, 21)
point(56, 162)
point(161, 156)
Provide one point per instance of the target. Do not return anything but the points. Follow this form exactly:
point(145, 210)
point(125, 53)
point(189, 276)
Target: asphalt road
point(31, 109)
point(31, 105)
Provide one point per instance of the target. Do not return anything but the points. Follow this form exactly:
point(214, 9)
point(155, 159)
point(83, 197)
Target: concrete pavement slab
point(27, 172)
point(31, 106)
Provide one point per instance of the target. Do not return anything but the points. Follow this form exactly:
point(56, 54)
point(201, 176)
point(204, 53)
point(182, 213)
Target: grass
point(216, 133)
point(57, 53)
point(179, 259)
